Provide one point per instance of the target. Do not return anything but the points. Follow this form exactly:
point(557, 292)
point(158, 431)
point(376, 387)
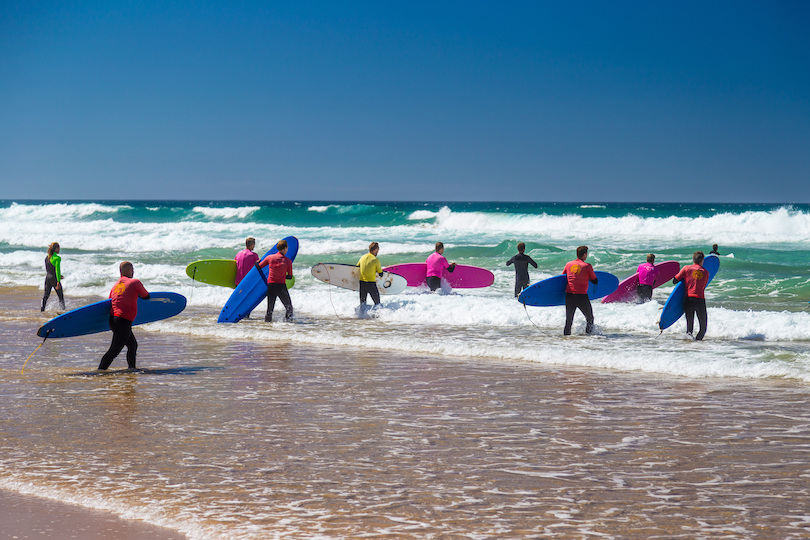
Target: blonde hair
point(52, 248)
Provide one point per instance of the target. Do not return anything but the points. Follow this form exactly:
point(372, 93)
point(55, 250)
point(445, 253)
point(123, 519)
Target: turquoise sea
point(243, 411)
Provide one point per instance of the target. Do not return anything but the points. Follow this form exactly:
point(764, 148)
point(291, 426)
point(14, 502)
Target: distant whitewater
point(759, 324)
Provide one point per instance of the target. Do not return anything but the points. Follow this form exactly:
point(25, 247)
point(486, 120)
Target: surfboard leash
point(329, 277)
point(528, 317)
point(48, 333)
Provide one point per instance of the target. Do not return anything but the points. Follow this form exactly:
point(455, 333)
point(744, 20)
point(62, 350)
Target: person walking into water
point(279, 269)
point(436, 265)
point(53, 276)
point(521, 262)
point(696, 278)
point(245, 259)
point(370, 268)
point(579, 274)
point(647, 274)
point(124, 309)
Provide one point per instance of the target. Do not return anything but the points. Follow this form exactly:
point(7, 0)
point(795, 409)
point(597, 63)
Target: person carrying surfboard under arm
point(696, 278)
point(53, 276)
point(279, 269)
point(124, 296)
point(647, 274)
point(579, 274)
point(370, 268)
point(521, 262)
point(436, 264)
point(245, 259)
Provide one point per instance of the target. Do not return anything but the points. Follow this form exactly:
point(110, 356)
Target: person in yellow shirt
point(369, 270)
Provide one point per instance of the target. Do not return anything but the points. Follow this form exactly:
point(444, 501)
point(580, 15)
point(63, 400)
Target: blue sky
point(435, 101)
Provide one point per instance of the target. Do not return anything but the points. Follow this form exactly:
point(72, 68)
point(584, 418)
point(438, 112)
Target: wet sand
point(35, 518)
point(265, 438)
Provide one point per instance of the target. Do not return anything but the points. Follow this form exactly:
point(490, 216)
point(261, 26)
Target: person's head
point(53, 248)
point(714, 247)
point(439, 247)
point(521, 247)
point(373, 248)
point(126, 269)
point(651, 258)
point(698, 257)
point(282, 246)
point(250, 242)
point(582, 252)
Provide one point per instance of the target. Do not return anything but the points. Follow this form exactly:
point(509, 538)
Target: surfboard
point(94, 318)
point(626, 291)
point(673, 308)
point(253, 288)
point(347, 276)
point(551, 291)
point(219, 272)
point(463, 277)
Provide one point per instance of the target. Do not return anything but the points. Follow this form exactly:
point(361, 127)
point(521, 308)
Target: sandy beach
point(271, 440)
point(35, 518)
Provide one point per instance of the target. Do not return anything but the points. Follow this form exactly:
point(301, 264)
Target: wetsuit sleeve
point(56, 261)
point(531, 261)
point(510, 261)
point(142, 292)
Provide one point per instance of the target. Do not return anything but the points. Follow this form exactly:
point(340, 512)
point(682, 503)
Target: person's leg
point(570, 309)
point(689, 312)
point(271, 302)
point(703, 317)
point(283, 294)
point(121, 329)
point(61, 294)
point(46, 294)
point(434, 282)
point(375, 293)
point(587, 310)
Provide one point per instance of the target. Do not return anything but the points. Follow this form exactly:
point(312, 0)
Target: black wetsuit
point(521, 262)
point(278, 290)
point(696, 306)
point(122, 336)
point(574, 302)
point(369, 288)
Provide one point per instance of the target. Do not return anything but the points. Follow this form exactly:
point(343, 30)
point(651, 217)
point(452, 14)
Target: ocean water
point(460, 414)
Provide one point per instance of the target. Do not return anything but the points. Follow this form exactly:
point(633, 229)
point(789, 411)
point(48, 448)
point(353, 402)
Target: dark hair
point(250, 241)
point(521, 247)
point(439, 246)
point(123, 265)
point(651, 258)
point(697, 257)
point(581, 250)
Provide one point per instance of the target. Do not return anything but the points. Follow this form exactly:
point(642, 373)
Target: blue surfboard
point(94, 318)
point(551, 291)
point(673, 308)
point(253, 288)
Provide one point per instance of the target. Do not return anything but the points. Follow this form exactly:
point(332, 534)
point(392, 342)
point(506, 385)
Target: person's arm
point(142, 292)
point(289, 268)
point(451, 267)
point(531, 261)
point(510, 261)
point(593, 279)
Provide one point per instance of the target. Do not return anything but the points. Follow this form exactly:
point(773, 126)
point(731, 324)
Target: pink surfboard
point(463, 277)
point(627, 288)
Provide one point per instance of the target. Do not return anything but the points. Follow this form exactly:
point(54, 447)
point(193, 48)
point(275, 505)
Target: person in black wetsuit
point(521, 262)
point(53, 276)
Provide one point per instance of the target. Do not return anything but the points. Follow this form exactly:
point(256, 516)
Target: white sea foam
point(241, 212)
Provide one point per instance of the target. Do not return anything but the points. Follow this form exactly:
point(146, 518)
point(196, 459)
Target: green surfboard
point(220, 272)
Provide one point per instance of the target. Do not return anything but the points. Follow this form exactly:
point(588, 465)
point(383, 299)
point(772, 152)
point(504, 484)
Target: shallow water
point(263, 438)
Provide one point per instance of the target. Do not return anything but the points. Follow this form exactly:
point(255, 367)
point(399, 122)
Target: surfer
point(696, 278)
point(370, 268)
point(436, 264)
point(53, 276)
point(521, 262)
point(579, 273)
point(124, 309)
point(280, 269)
point(245, 259)
point(714, 250)
point(647, 274)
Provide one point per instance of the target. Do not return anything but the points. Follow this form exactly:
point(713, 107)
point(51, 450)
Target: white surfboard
point(347, 276)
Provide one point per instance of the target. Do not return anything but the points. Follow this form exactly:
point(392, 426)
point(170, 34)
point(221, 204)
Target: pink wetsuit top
point(245, 260)
point(436, 264)
point(647, 273)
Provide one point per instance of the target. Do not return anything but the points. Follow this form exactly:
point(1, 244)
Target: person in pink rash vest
point(436, 265)
point(245, 260)
point(647, 273)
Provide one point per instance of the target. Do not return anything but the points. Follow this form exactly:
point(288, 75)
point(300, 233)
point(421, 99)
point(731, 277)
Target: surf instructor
point(579, 274)
point(124, 309)
point(279, 269)
point(370, 268)
point(436, 264)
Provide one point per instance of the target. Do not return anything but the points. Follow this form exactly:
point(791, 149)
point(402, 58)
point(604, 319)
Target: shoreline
point(34, 517)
